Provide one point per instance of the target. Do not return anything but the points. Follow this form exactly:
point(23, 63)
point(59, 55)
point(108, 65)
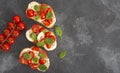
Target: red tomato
point(43, 15)
point(41, 29)
point(21, 26)
point(11, 25)
point(2, 38)
point(35, 28)
point(15, 33)
point(34, 66)
point(48, 46)
point(6, 32)
point(42, 61)
point(11, 40)
point(16, 18)
point(6, 47)
point(30, 13)
point(46, 22)
point(35, 48)
point(29, 62)
point(21, 60)
point(31, 53)
point(47, 34)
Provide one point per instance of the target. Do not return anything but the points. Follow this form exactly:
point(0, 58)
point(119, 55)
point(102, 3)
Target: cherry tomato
point(2, 38)
point(11, 25)
point(15, 33)
point(43, 15)
point(33, 66)
point(35, 28)
point(41, 29)
point(48, 46)
point(21, 60)
point(6, 32)
point(31, 53)
point(6, 47)
point(16, 18)
point(35, 48)
point(46, 22)
point(42, 61)
point(30, 13)
point(47, 34)
point(29, 62)
point(11, 40)
point(21, 26)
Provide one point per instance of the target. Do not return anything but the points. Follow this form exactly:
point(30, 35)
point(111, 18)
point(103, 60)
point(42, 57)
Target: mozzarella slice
point(32, 4)
point(28, 33)
point(40, 36)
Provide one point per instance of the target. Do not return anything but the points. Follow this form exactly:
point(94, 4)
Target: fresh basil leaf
point(27, 56)
point(33, 36)
point(42, 55)
point(37, 7)
point(62, 54)
point(42, 67)
point(35, 60)
point(44, 7)
point(40, 44)
point(48, 41)
point(58, 31)
point(37, 17)
point(49, 15)
point(44, 31)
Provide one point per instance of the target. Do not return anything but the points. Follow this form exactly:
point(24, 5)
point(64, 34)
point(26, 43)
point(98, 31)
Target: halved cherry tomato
point(21, 26)
point(34, 66)
point(29, 62)
point(41, 29)
point(15, 33)
point(42, 61)
point(47, 34)
point(11, 40)
point(16, 18)
point(46, 22)
point(43, 15)
point(6, 47)
point(22, 60)
point(35, 28)
point(11, 25)
point(35, 48)
point(48, 46)
point(6, 32)
point(30, 13)
point(2, 38)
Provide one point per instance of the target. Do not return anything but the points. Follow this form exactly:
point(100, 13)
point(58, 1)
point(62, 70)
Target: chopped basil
point(42, 55)
point(48, 41)
point(42, 67)
point(33, 36)
point(49, 15)
point(58, 31)
point(44, 7)
point(62, 54)
point(44, 31)
point(37, 7)
point(37, 17)
point(27, 56)
point(40, 44)
point(35, 60)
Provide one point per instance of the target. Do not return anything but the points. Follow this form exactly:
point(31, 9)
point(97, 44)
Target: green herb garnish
point(42, 55)
point(40, 44)
point(42, 67)
point(27, 56)
point(49, 15)
point(37, 7)
point(35, 60)
point(44, 7)
point(48, 41)
point(62, 54)
point(58, 31)
point(44, 31)
point(37, 17)
point(33, 36)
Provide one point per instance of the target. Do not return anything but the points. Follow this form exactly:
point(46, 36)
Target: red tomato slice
point(35, 48)
point(35, 28)
point(48, 46)
point(47, 34)
point(34, 66)
point(29, 62)
point(46, 23)
point(41, 29)
point(42, 61)
point(22, 60)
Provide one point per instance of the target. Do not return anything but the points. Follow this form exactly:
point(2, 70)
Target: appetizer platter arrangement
point(44, 40)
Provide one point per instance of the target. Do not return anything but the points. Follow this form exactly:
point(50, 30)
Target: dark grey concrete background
point(91, 34)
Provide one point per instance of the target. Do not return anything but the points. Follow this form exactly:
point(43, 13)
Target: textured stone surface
point(91, 34)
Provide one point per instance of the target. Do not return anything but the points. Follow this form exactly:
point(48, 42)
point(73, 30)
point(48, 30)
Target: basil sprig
point(49, 15)
point(42, 67)
point(40, 44)
point(37, 7)
point(35, 60)
point(33, 36)
point(42, 55)
point(27, 56)
point(48, 41)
